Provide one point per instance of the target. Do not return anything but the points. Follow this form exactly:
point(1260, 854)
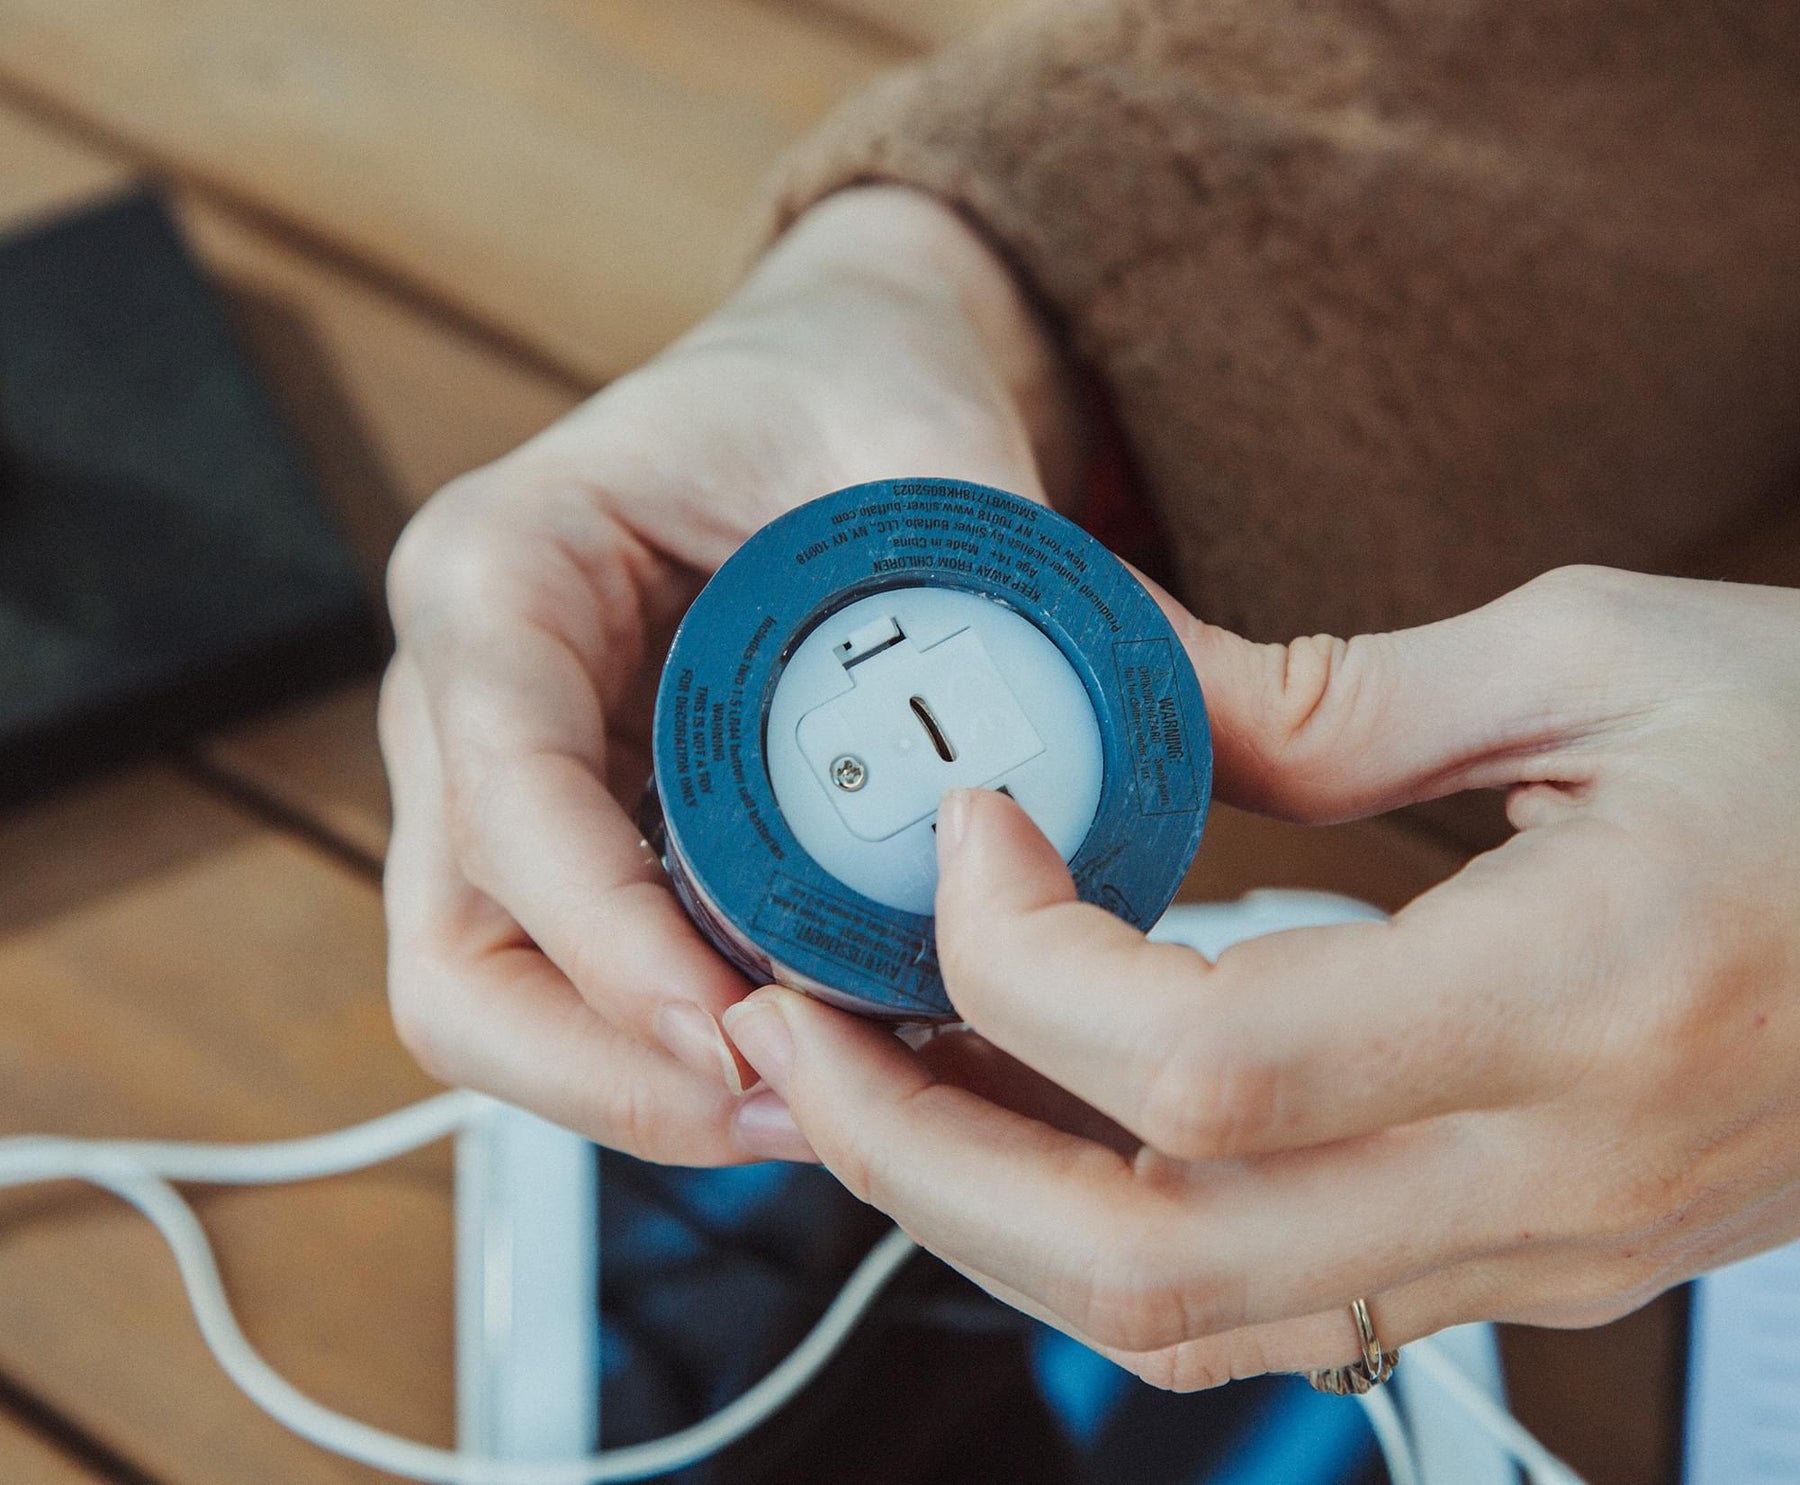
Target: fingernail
point(952, 821)
point(695, 1040)
point(761, 1035)
point(764, 1128)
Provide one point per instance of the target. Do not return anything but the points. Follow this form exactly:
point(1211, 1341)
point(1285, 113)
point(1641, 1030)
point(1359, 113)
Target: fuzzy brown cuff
point(1399, 303)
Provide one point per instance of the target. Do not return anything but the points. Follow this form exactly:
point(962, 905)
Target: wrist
point(893, 268)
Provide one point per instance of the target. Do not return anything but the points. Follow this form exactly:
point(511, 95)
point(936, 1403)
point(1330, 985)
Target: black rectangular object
point(166, 562)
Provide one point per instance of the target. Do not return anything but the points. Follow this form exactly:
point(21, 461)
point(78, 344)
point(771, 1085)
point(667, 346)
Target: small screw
point(849, 774)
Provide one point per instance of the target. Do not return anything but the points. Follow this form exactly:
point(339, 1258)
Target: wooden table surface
point(439, 225)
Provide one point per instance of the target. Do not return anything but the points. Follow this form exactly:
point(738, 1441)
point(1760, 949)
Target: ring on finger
point(1368, 1371)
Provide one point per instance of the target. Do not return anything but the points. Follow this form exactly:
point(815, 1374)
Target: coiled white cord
point(139, 1172)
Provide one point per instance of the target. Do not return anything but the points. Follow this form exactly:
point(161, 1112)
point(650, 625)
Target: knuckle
point(466, 802)
point(1316, 679)
point(1716, 967)
point(861, 1159)
point(1599, 604)
point(1630, 1206)
point(864, 1161)
point(1636, 1026)
point(959, 960)
point(1582, 583)
point(629, 1119)
point(1637, 1210)
point(858, 1172)
point(446, 560)
point(419, 1027)
point(1327, 688)
point(1636, 1282)
point(419, 555)
point(406, 567)
point(588, 953)
point(859, 1169)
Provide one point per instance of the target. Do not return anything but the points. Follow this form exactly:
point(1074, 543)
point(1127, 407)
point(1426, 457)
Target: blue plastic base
point(744, 866)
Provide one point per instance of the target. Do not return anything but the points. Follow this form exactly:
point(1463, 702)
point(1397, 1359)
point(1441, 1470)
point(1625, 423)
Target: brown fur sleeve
point(1399, 301)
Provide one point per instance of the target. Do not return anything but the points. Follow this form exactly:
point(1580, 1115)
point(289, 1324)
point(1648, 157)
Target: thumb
point(1010, 925)
point(1324, 729)
point(993, 861)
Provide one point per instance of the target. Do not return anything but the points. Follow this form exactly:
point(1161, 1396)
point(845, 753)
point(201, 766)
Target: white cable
point(1390, 1436)
point(134, 1171)
point(1539, 1464)
point(139, 1171)
point(28, 1158)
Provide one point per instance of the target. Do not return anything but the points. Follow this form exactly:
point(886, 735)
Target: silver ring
point(1369, 1371)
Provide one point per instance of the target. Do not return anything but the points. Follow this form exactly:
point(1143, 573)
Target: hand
point(1550, 1088)
point(536, 951)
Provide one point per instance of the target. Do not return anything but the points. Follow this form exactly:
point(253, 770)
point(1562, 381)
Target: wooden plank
point(171, 967)
point(388, 403)
point(574, 174)
point(42, 172)
point(320, 762)
point(28, 1458)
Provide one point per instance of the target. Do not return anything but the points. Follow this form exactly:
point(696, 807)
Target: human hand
point(536, 951)
point(1550, 1088)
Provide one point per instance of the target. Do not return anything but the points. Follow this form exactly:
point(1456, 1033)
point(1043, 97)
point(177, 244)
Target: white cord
point(1540, 1465)
point(1390, 1436)
point(135, 1171)
point(28, 1158)
point(139, 1171)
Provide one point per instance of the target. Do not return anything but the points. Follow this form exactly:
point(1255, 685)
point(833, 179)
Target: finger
point(1295, 1039)
point(508, 1025)
point(535, 828)
point(481, 1007)
point(1138, 1254)
point(1561, 1287)
point(1309, 1343)
point(1325, 729)
point(764, 1127)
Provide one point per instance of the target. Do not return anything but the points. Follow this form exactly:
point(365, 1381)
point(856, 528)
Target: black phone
point(167, 563)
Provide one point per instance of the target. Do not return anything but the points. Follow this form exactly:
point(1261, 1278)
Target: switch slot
point(933, 729)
